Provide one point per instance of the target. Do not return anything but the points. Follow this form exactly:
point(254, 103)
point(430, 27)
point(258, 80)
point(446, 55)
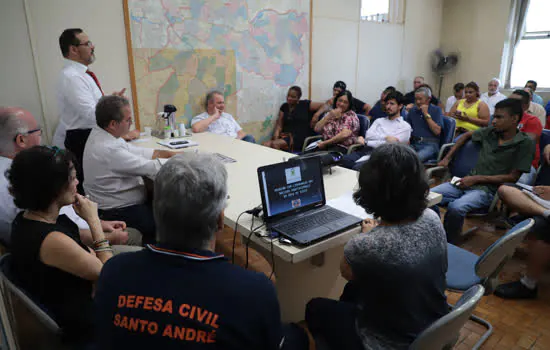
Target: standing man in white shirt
point(113, 168)
point(78, 90)
point(216, 121)
point(493, 96)
point(392, 128)
point(19, 131)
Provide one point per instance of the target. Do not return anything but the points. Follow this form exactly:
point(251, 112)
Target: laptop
point(293, 201)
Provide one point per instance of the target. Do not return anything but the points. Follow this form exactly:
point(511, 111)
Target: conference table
point(302, 272)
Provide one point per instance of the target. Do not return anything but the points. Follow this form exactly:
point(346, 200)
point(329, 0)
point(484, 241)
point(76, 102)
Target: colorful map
point(251, 50)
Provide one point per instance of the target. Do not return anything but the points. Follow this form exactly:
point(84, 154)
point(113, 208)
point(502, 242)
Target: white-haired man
point(198, 299)
point(19, 131)
point(493, 95)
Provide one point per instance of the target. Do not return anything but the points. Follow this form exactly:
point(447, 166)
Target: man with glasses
point(114, 169)
point(78, 91)
point(19, 131)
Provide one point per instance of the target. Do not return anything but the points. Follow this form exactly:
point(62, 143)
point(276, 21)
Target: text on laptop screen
point(291, 185)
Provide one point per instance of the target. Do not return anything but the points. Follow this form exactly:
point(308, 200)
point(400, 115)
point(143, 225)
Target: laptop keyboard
point(306, 223)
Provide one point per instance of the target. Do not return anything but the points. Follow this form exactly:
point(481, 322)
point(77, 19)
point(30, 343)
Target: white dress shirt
point(225, 125)
point(538, 111)
point(382, 127)
point(492, 101)
point(113, 170)
point(77, 96)
point(450, 103)
point(8, 210)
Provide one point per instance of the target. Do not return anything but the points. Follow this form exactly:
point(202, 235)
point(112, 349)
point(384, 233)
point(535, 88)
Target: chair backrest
point(11, 289)
point(544, 139)
point(364, 124)
point(464, 159)
point(493, 258)
point(443, 333)
point(448, 130)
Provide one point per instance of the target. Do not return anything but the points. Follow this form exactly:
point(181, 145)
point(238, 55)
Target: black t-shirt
point(160, 298)
point(357, 106)
point(66, 297)
point(409, 98)
point(298, 121)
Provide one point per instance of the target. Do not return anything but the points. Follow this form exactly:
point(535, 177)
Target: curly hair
point(393, 184)
point(38, 176)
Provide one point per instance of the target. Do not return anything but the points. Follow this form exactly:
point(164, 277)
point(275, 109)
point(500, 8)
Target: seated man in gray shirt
point(396, 266)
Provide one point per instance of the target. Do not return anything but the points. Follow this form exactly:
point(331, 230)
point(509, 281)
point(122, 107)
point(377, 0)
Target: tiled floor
point(517, 324)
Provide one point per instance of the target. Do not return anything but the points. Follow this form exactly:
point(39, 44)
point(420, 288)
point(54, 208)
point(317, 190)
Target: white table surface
point(298, 279)
point(244, 190)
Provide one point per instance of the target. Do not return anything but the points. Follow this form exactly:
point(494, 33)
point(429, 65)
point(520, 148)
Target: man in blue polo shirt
point(426, 121)
point(179, 294)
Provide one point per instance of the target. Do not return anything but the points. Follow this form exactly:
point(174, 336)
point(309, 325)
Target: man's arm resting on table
point(241, 134)
point(159, 153)
point(202, 125)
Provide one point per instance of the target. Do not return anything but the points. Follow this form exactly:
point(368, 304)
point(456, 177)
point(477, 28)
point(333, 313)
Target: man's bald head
point(15, 125)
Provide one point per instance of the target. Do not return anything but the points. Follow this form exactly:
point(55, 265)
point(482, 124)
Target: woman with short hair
point(49, 261)
point(396, 266)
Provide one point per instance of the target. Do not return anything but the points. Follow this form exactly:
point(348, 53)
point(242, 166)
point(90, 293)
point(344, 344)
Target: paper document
point(141, 139)
point(346, 204)
point(312, 145)
point(455, 180)
point(177, 143)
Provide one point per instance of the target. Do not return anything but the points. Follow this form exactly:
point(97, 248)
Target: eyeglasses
point(87, 43)
point(27, 133)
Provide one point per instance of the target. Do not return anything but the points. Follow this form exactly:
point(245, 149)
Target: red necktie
point(94, 77)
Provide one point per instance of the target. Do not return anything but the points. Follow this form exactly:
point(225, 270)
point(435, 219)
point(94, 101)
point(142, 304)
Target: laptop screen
point(291, 186)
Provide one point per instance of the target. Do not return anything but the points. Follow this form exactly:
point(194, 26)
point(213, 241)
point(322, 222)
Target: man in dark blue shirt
point(179, 294)
point(426, 121)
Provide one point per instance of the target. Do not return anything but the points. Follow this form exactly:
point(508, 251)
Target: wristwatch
point(427, 116)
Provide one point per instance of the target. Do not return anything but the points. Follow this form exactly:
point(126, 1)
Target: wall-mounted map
point(252, 50)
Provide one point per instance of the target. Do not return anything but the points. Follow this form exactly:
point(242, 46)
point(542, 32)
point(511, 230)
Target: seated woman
point(294, 122)
point(340, 126)
point(470, 112)
point(396, 266)
point(49, 260)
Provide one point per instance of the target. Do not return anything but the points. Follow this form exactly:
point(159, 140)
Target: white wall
point(367, 56)
point(102, 20)
point(18, 84)
point(476, 29)
point(370, 56)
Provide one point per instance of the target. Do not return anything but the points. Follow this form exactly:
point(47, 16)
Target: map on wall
point(252, 50)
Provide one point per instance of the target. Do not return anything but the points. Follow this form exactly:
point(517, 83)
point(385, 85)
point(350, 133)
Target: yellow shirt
point(471, 112)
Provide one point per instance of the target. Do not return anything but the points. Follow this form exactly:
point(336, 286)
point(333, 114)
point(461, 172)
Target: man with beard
point(391, 129)
point(504, 154)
